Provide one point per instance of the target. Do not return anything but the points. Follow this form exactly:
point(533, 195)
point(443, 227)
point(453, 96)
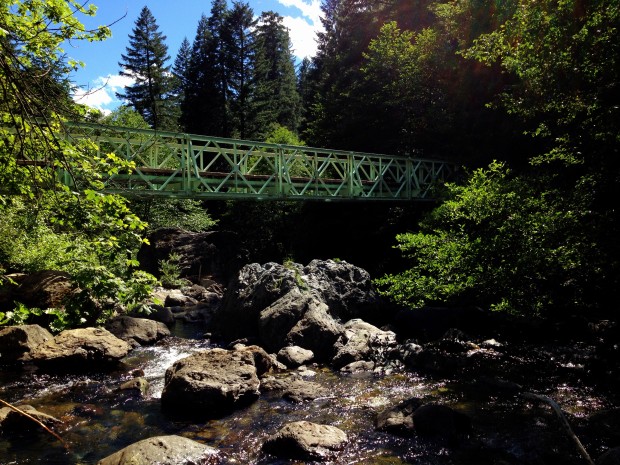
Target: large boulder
point(317, 331)
point(299, 319)
point(285, 293)
point(18, 342)
point(164, 450)
point(79, 349)
point(306, 441)
point(255, 288)
point(42, 289)
point(362, 341)
point(211, 253)
point(211, 383)
point(345, 288)
point(137, 331)
point(276, 320)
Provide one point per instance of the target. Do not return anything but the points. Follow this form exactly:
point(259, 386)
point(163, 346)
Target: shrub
point(509, 243)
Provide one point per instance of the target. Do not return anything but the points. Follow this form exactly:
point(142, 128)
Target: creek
point(98, 419)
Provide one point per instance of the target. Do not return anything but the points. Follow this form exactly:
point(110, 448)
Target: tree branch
point(556, 408)
point(21, 412)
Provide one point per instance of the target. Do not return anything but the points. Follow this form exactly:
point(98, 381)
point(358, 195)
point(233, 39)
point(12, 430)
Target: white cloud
point(303, 36)
point(311, 10)
point(100, 93)
point(303, 28)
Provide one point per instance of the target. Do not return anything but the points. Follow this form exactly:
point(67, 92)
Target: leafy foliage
point(100, 291)
point(566, 57)
point(186, 214)
point(170, 272)
point(82, 231)
point(504, 241)
point(29, 243)
point(24, 315)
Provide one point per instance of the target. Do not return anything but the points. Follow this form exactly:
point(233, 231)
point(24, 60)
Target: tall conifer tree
point(275, 97)
point(180, 77)
point(238, 41)
point(193, 107)
point(204, 110)
point(145, 62)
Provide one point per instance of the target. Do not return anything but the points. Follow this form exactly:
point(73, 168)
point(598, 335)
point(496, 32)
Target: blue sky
point(99, 79)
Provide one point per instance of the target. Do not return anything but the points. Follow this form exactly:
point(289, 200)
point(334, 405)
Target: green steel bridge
point(171, 164)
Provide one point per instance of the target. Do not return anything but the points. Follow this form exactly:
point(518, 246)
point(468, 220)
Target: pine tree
point(204, 110)
point(145, 62)
point(337, 105)
point(180, 77)
point(305, 91)
point(193, 108)
point(275, 97)
point(217, 66)
point(238, 41)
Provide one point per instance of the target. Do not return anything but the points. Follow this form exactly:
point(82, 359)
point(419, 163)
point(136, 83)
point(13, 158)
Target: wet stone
point(12, 421)
point(137, 385)
point(210, 383)
point(295, 356)
point(306, 441)
point(164, 450)
point(611, 457)
point(398, 420)
point(18, 342)
point(137, 331)
point(294, 388)
point(81, 349)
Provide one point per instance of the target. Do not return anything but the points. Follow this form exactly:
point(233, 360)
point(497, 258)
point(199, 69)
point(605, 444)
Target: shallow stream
point(98, 419)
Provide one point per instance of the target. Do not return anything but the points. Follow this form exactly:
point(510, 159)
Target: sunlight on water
point(94, 411)
point(154, 361)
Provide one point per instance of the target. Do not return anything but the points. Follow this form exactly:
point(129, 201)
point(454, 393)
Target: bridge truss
point(191, 166)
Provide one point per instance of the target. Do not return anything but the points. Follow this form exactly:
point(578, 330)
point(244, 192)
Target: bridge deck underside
point(182, 165)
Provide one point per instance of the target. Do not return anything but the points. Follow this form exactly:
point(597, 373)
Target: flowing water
point(98, 419)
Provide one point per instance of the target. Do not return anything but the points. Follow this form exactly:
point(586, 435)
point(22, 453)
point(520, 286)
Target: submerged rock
point(138, 386)
point(79, 349)
point(294, 388)
point(361, 366)
point(17, 343)
point(211, 383)
point(164, 450)
point(12, 421)
point(611, 457)
point(411, 417)
point(306, 441)
point(137, 331)
point(399, 419)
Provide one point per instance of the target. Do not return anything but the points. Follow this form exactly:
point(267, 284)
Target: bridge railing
point(185, 165)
